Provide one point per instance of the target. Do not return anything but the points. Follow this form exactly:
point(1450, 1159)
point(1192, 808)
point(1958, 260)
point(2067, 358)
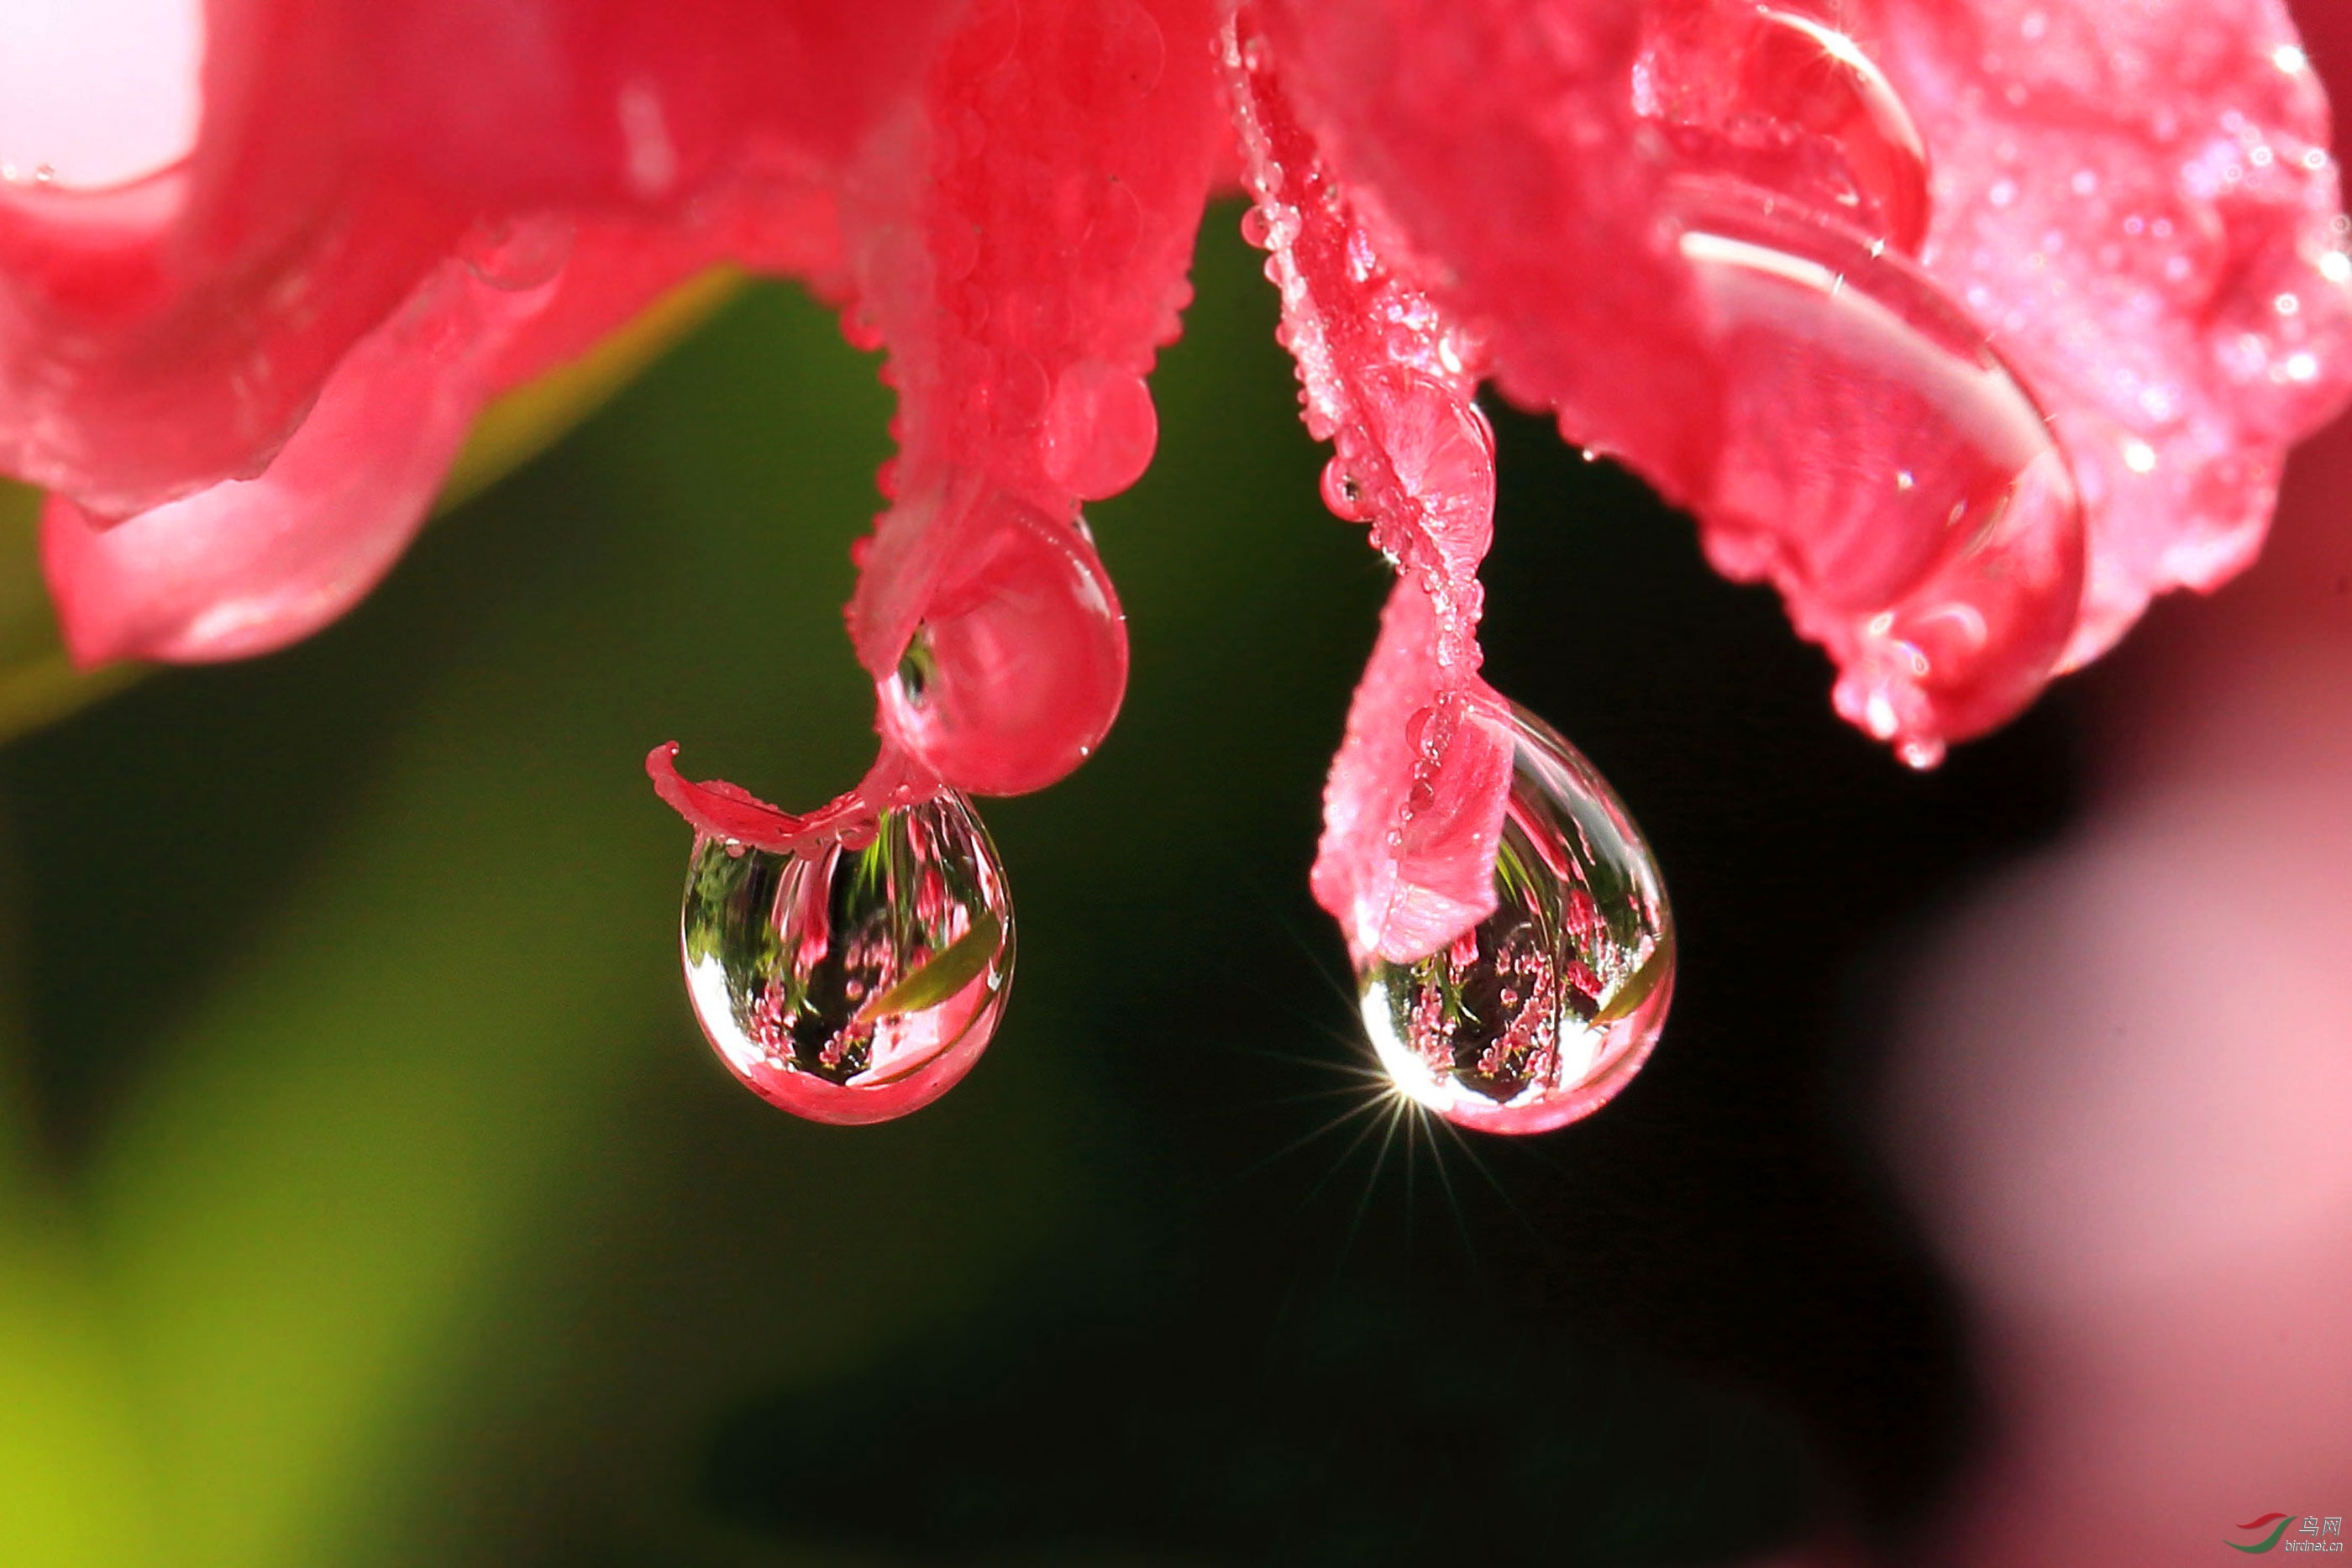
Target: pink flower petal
point(159, 338)
point(2138, 205)
point(1413, 808)
point(1541, 156)
point(1501, 137)
point(250, 565)
point(1020, 251)
point(731, 814)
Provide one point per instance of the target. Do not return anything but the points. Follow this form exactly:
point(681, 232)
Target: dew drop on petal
point(1343, 493)
point(858, 981)
point(1019, 663)
point(1886, 471)
point(1544, 1010)
point(1812, 75)
point(1100, 430)
point(1788, 100)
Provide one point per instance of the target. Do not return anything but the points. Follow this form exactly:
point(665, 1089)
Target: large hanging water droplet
point(853, 983)
point(1545, 1009)
point(1882, 466)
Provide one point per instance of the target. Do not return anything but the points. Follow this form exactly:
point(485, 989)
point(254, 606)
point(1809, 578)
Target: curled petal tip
point(718, 809)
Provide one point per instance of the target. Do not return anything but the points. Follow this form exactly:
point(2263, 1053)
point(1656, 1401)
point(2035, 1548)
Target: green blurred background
point(370, 1196)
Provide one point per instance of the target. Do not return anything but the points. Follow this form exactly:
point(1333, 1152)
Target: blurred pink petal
point(160, 337)
point(2127, 1076)
point(250, 565)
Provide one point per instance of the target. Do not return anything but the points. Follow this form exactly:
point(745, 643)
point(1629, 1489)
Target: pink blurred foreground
point(2125, 1098)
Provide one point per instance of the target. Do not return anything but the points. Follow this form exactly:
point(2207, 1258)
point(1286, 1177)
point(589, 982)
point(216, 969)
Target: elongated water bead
point(1545, 1009)
point(856, 982)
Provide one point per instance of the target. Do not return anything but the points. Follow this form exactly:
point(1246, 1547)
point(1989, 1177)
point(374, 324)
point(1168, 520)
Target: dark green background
point(377, 1202)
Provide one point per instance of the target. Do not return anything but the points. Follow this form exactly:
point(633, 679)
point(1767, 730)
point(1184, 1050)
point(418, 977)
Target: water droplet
point(1019, 660)
point(1342, 492)
point(852, 983)
point(1815, 76)
point(1441, 450)
point(1099, 429)
point(1582, 944)
point(1948, 602)
point(1790, 103)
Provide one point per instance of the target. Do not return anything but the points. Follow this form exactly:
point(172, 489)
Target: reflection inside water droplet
point(853, 983)
point(1545, 1009)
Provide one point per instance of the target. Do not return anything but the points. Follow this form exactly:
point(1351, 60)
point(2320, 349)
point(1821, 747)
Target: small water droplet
point(1020, 658)
point(1099, 429)
point(1790, 102)
point(1341, 492)
point(852, 985)
point(1544, 1010)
